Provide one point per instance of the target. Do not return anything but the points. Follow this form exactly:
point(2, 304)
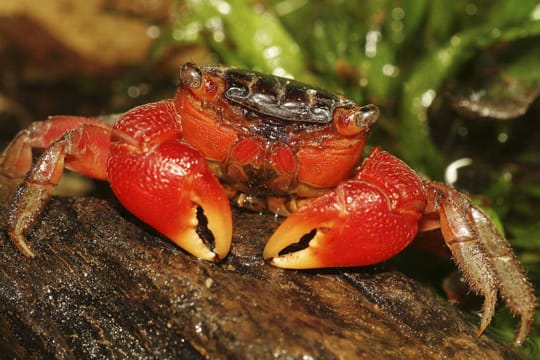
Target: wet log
point(104, 285)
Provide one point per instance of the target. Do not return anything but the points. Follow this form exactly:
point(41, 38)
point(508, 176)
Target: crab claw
point(302, 240)
point(350, 226)
point(170, 188)
point(363, 221)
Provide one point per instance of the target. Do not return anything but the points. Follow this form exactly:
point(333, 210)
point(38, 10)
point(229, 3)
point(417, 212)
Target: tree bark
point(104, 285)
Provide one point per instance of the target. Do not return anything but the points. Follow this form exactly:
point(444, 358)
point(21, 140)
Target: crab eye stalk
point(354, 120)
point(367, 115)
point(203, 83)
point(191, 76)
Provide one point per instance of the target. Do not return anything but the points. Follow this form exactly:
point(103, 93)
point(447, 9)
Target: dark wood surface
point(104, 285)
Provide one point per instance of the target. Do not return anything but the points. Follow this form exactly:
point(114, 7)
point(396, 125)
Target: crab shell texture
point(270, 136)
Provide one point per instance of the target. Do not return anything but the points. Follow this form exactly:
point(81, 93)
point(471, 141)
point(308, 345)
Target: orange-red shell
point(264, 153)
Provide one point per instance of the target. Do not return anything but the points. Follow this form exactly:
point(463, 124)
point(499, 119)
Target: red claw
point(363, 221)
point(164, 181)
point(165, 187)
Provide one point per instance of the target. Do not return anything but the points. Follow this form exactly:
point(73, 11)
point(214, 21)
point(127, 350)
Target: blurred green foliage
point(420, 61)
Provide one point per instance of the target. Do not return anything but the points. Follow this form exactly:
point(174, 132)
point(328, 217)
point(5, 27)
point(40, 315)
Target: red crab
point(265, 142)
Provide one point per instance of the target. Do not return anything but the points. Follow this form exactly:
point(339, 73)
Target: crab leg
point(16, 160)
point(484, 257)
point(86, 143)
point(166, 183)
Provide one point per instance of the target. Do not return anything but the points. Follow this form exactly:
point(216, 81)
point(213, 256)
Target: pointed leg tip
point(479, 332)
point(518, 342)
point(23, 245)
point(523, 330)
point(30, 254)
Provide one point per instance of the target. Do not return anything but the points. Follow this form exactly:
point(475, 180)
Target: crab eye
point(353, 120)
point(191, 76)
point(366, 116)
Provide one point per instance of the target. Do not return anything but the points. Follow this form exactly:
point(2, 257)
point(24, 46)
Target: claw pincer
point(264, 142)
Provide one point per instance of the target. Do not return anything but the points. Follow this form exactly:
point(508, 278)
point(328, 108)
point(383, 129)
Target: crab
point(264, 142)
